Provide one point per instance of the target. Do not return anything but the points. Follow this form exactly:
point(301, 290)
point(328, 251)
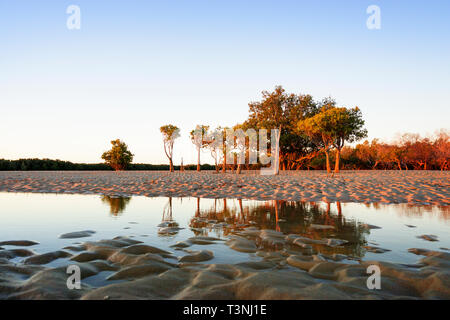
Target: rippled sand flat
point(185, 248)
point(134, 270)
point(418, 187)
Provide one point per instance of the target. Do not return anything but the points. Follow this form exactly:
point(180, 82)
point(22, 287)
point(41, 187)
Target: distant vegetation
point(59, 165)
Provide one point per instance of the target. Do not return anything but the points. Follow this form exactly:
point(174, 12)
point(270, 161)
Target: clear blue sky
point(136, 65)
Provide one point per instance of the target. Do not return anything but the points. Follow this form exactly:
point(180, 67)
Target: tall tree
point(269, 113)
point(335, 126)
point(170, 133)
point(344, 125)
point(119, 156)
point(314, 128)
point(282, 111)
point(240, 147)
point(224, 148)
point(214, 142)
point(199, 137)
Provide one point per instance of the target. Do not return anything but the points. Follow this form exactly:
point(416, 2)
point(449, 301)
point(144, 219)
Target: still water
point(44, 217)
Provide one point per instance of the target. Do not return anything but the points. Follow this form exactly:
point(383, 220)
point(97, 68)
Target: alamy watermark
point(237, 146)
point(74, 19)
point(73, 22)
point(374, 20)
point(74, 280)
point(374, 280)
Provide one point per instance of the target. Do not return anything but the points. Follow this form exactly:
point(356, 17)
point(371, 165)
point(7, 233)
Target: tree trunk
point(277, 226)
point(198, 207)
point(327, 154)
point(338, 157)
point(238, 170)
point(198, 160)
point(242, 219)
point(171, 165)
point(277, 152)
point(339, 208)
point(224, 166)
point(375, 165)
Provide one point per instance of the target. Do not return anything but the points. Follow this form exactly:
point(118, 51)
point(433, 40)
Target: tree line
point(59, 165)
point(408, 152)
point(310, 134)
point(304, 129)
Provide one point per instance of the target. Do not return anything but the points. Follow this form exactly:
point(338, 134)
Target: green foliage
point(199, 136)
point(118, 157)
point(278, 110)
point(48, 165)
point(345, 125)
point(283, 111)
point(59, 165)
point(170, 132)
point(333, 126)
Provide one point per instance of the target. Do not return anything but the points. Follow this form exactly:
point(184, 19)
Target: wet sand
point(130, 269)
point(416, 187)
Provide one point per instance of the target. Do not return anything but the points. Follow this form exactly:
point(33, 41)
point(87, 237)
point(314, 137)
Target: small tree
point(214, 142)
point(170, 133)
point(199, 139)
point(344, 125)
point(119, 156)
point(335, 126)
point(313, 128)
point(369, 153)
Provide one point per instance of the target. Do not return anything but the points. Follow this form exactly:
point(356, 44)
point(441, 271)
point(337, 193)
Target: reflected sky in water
point(43, 217)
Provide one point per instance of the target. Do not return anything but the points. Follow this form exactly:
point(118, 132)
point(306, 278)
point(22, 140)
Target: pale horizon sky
point(137, 65)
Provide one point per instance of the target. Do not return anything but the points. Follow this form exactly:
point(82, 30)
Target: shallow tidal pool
point(370, 231)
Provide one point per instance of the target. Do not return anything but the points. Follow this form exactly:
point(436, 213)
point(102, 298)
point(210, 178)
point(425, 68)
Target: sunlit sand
point(419, 187)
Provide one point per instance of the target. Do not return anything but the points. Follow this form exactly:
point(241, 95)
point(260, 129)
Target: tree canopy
point(333, 126)
point(199, 137)
point(119, 156)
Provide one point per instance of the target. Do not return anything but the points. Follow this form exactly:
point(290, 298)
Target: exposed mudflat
point(417, 187)
point(288, 268)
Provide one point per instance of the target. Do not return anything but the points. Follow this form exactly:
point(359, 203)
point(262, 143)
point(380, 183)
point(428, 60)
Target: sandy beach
point(323, 256)
point(417, 187)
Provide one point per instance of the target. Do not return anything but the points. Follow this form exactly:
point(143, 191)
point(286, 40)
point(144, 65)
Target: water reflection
point(412, 210)
point(289, 217)
point(168, 226)
point(316, 221)
point(117, 205)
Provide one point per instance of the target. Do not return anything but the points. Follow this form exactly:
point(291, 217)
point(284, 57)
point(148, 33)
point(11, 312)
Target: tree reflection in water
point(289, 217)
point(117, 205)
point(168, 226)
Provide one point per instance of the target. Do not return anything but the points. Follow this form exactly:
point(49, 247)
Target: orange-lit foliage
point(409, 152)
